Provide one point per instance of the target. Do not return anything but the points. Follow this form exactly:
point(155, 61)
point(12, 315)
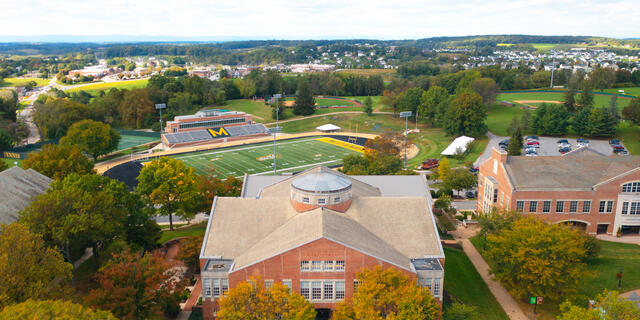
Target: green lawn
point(293, 155)
point(499, 118)
point(377, 105)
point(634, 91)
point(94, 89)
point(21, 82)
point(333, 102)
point(261, 111)
point(194, 230)
point(462, 282)
point(10, 162)
point(611, 258)
point(630, 136)
point(600, 100)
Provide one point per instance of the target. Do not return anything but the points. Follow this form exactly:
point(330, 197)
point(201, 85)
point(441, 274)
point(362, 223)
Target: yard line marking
point(298, 167)
point(233, 150)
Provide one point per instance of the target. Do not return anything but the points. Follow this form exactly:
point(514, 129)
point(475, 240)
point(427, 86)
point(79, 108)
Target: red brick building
point(583, 188)
point(314, 231)
point(204, 119)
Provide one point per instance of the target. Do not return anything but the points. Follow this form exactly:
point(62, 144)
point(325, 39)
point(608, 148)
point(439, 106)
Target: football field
point(293, 155)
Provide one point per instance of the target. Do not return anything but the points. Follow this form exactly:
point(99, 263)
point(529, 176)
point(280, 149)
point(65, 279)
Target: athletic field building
point(315, 230)
point(210, 126)
point(583, 188)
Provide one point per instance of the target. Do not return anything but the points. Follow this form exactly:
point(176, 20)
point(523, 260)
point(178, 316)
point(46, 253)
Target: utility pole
point(275, 167)
point(405, 115)
point(553, 67)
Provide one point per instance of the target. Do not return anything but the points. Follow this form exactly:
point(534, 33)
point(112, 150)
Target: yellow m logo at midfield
point(218, 132)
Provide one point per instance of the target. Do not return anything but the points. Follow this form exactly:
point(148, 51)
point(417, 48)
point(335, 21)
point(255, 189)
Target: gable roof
point(391, 227)
point(17, 189)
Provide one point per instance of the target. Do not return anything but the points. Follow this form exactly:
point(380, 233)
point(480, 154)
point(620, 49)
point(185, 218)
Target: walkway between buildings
point(623, 239)
point(508, 304)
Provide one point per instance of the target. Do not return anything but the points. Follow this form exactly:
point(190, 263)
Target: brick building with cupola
point(583, 188)
point(314, 231)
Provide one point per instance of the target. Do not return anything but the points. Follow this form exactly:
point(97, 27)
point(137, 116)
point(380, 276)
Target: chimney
point(499, 155)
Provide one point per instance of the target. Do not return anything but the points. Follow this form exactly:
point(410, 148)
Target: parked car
point(504, 142)
point(617, 147)
point(533, 145)
point(620, 151)
point(474, 170)
point(471, 194)
point(614, 142)
point(582, 140)
point(533, 142)
point(531, 138)
point(429, 164)
point(562, 142)
point(531, 150)
point(504, 147)
point(564, 150)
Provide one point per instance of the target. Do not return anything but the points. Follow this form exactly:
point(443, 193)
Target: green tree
point(368, 106)
point(277, 113)
point(534, 258)
point(388, 294)
point(515, 143)
point(8, 105)
point(601, 123)
point(252, 301)
point(570, 99)
point(52, 309)
point(410, 99)
point(487, 89)
point(551, 120)
point(73, 213)
point(210, 186)
point(609, 306)
point(586, 97)
point(135, 286)
point(305, 102)
point(580, 121)
point(93, 137)
point(525, 121)
point(514, 125)
point(459, 179)
point(54, 117)
point(434, 105)
point(613, 107)
point(466, 116)
point(56, 161)
point(632, 111)
point(29, 269)
point(171, 185)
point(602, 78)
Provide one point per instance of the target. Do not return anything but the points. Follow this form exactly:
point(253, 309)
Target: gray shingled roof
point(391, 227)
point(580, 171)
point(17, 189)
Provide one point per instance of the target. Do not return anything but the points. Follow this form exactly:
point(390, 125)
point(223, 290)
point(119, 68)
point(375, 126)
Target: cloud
point(317, 19)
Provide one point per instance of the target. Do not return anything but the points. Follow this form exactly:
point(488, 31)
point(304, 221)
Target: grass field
point(634, 91)
point(94, 89)
point(499, 118)
point(128, 141)
point(11, 162)
point(600, 100)
point(462, 282)
point(611, 258)
point(386, 74)
point(320, 102)
point(193, 230)
point(293, 155)
point(21, 82)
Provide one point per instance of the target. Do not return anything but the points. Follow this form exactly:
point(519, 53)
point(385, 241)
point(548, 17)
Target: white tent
point(460, 143)
point(328, 128)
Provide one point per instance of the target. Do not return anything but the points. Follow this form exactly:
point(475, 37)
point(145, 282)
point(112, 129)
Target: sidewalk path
point(509, 305)
point(623, 239)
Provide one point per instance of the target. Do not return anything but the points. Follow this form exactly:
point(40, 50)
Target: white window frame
point(586, 204)
point(305, 286)
point(329, 265)
point(631, 187)
point(305, 266)
point(322, 201)
point(288, 283)
point(520, 205)
point(316, 266)
point(536, 206)
point(572, 208)
point(340, 265)
point(561, 204)
point(546, 206)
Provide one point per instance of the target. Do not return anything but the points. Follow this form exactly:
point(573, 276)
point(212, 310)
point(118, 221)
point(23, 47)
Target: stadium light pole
point(405, 115)
point(553, 67)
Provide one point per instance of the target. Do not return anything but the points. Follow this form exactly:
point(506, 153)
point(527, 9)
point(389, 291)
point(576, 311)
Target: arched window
point(631, 187)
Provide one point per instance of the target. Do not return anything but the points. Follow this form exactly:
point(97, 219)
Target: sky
point(319, 19)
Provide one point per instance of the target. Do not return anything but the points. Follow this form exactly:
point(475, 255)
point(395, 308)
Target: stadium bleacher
point(204, 135)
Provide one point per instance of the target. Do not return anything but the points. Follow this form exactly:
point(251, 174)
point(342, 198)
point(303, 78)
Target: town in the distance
point(479, 177)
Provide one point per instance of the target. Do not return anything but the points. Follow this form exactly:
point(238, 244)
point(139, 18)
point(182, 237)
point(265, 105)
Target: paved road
point(506, 301)
point(493, 143)
point(464, 204)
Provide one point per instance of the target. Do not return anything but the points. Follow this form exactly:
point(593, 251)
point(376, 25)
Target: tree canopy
point(93, 137)
point(388, 294)
point(466, 115)
point(253, 301)
point(56, 161)
point(53, 309)
point(305, 102)
point(170, 184)
point(609, 306)
point(55, 116)
point(134, 286)
point(30, 270)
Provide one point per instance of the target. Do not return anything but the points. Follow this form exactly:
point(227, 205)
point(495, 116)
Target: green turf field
point(633, 91)
point(128, 141)
point(327, 102)
point(293, 155)
point(21, 82)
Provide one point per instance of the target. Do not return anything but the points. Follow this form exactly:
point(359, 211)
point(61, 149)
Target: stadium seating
point(204, 135)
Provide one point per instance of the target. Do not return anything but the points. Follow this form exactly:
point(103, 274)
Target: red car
point(533, 143)
point(617, 147)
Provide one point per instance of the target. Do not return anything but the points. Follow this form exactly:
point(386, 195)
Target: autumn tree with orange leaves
point(252, 301)
point(388, 294)
point(134, 286)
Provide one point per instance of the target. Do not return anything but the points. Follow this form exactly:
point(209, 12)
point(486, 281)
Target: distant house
point(18, 187)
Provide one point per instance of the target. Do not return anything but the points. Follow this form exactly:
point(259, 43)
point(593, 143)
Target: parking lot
point(549, 146)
